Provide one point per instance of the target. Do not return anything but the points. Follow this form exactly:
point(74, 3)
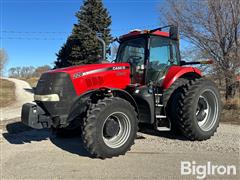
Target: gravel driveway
point(23, 93)
point(38, 154)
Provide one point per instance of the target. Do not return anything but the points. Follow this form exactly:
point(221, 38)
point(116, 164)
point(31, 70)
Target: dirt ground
point(7, 92)
point(39, 154)
point(23, 94)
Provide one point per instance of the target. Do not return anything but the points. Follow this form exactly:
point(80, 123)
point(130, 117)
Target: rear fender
point(176, 72)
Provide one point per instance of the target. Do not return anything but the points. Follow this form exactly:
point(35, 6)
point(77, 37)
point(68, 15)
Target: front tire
point(199, 109)
point(110, 127)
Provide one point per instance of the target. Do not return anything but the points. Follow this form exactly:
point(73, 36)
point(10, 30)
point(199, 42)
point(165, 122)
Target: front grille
point(56, 83)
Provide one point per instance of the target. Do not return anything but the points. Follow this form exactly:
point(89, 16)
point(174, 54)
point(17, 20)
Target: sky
point(33, 31)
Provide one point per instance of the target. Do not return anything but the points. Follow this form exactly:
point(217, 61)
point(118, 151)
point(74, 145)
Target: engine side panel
point(105, 77)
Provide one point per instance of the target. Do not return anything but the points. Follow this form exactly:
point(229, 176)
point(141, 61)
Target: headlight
point(49, 97)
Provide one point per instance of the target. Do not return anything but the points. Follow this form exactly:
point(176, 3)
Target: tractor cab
point(150, 53)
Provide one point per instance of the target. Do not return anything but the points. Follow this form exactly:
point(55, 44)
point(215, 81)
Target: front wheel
point(199, 109)
point(110, 127)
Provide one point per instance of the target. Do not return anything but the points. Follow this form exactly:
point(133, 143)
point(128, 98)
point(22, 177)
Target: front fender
point(176, 72)
point(125, 95)
point(80, 104)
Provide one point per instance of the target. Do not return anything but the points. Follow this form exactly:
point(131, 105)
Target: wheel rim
point(116, 129)
point(207, 110)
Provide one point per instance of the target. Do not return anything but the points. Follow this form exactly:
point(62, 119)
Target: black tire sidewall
point(116, 106)
point(205, 85)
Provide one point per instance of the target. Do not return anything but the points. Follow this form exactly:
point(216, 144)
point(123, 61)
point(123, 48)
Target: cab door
point(163, 53)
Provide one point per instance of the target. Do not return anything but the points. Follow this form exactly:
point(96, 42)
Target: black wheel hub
point(111, 128)
point(202, 105)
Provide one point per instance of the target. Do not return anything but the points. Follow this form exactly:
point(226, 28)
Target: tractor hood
point(75, 71)
point(94, 76)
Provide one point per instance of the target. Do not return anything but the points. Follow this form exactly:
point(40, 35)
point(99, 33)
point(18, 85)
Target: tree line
point(27, 71)
point(211, 27)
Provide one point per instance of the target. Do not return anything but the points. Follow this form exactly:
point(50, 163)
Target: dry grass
point(7, 92)
point(231, 111)
point(32, 81)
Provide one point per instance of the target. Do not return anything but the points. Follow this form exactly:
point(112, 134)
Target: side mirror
point(174, 34)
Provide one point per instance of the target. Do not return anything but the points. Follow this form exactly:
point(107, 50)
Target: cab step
point(160, 116)
point(163, 129)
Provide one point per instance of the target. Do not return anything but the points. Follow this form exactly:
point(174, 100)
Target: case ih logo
point(119, 67)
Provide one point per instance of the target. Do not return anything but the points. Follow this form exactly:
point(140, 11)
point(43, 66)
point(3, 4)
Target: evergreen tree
point(82, 46)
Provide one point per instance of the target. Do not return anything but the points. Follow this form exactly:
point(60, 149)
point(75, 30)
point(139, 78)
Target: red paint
point(238, 78)
point(137, 33)
point(161, 33)
point(176, 72)
point(133, 33)
point(109, 78)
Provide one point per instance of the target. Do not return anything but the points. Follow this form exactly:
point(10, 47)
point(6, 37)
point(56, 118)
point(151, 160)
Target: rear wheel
point(170, 97)
point(110, 127)
point(199, 109)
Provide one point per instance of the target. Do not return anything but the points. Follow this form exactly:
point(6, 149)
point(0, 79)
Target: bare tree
point(41, 69)
point(12, 72)
point(3, 60)
point(213, 26)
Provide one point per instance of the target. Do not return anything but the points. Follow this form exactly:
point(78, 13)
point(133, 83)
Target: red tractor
point(147, 84)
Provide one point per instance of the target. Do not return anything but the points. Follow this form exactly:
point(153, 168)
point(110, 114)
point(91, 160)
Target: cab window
point(159, 57)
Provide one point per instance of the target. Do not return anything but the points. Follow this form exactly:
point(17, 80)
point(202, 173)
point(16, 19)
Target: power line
point(32, 38)
point(65, 32)
point(32, 32)
point(23, 35)
point(68, 1)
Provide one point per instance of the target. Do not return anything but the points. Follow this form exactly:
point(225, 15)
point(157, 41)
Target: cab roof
point(173, 33)
point(134, 33)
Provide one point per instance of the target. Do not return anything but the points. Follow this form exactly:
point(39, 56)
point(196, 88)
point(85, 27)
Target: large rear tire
point(110, 127)
point(199, 109)
point(170, 97)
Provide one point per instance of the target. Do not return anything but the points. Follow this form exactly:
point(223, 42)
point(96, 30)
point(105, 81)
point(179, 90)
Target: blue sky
point(32, 31)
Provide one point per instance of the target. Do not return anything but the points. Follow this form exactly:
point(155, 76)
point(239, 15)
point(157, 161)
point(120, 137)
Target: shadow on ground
point(148, 129)
point(31, 90)
point(18, 133)
point(164, 134)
